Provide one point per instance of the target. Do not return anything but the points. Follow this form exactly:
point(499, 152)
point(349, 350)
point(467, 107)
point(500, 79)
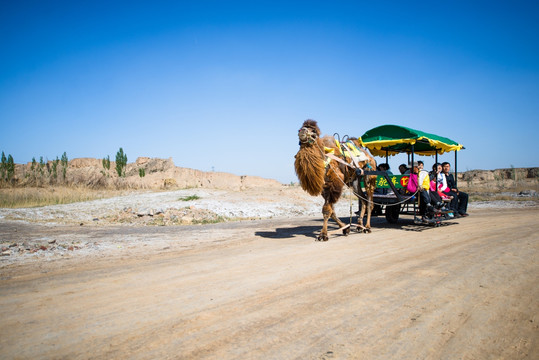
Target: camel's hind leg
point(342, 225)
point(365, 206)
point(371, 186)
point(369, 211)
point(360, 226)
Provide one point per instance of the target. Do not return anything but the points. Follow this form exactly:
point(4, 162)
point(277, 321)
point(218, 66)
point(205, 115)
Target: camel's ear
point(311, 124)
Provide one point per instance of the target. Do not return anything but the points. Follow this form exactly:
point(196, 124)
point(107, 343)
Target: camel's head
point(308, 133)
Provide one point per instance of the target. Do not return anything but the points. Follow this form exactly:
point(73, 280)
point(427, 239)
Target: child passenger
point(438, 182)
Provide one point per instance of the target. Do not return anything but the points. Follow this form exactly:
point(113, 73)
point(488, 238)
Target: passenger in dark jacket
point(459, 204)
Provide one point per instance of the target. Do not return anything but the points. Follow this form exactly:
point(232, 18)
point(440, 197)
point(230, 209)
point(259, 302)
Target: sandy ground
point(266, 289)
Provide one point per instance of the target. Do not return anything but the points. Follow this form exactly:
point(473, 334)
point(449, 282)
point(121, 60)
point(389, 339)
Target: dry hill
point(144, 173)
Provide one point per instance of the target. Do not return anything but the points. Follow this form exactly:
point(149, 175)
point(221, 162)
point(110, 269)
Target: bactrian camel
point(319, 174)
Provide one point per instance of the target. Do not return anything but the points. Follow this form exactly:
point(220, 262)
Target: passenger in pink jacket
point(423, 193)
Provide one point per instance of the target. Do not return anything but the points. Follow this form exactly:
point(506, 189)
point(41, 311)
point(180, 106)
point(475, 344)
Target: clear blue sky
point(225, 85)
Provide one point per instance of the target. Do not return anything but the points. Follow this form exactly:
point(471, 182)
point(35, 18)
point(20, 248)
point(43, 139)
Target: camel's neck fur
point(310, 167)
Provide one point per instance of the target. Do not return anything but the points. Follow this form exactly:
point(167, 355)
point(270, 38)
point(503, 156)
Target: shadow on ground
point(377, 224)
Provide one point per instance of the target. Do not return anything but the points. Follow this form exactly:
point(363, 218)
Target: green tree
point(33, 167)
point(106, 163)
point(41, 165)
point(141, 172)
point(48, 166)
point(64, 162)
point(121, 162)
point(3, 167)
point(10, 167)
point(55, 167)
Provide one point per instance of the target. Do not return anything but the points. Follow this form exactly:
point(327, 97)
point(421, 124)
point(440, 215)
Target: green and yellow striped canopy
point(395, 139)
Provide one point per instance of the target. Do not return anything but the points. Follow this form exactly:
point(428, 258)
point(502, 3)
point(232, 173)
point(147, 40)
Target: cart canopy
point(394, 139)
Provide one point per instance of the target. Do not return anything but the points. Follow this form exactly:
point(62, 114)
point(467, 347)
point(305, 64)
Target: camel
point(319, 174)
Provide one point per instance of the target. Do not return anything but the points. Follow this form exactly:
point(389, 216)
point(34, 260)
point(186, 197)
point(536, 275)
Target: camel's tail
point(310, 169)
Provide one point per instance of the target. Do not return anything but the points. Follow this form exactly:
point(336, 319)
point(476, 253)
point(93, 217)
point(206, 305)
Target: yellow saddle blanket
point(350, 151)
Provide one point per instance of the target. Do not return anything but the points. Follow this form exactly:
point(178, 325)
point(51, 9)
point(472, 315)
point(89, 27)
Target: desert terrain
point(262, 287)
point(220, 272)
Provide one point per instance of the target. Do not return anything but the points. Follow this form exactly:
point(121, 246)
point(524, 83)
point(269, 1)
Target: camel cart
point(390, 198)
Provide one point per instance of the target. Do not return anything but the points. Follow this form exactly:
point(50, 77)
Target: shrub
point(141, 172)
point(189, 198)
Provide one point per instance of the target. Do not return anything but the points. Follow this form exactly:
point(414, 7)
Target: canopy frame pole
point(456, 177)
point(411, 172)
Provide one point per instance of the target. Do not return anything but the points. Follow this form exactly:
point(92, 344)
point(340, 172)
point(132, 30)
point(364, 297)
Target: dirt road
point(266, 290)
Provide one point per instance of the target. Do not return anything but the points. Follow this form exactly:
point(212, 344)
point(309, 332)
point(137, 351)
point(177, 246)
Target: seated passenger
point(415, 184)
point(438, 182)
point(424, 179)
point(385, 167)
point(404, 169)
point(459, 204)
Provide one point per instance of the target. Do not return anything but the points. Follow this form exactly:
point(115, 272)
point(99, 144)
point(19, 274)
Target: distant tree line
point(39, 171)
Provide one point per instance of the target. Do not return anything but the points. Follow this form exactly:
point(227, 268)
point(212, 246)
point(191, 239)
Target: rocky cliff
point(499, 179)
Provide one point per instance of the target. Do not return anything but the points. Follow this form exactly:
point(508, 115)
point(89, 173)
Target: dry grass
point(33, 197)
point(497, 197)
point(506, 192)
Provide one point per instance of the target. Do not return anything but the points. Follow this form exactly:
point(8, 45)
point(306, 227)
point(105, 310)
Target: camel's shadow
point(312, 231)
point(288, 232)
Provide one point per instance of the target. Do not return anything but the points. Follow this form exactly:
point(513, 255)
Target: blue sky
point(225, 85)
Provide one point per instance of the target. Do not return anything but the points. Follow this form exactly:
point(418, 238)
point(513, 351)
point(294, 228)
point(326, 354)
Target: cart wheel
point(392, 213)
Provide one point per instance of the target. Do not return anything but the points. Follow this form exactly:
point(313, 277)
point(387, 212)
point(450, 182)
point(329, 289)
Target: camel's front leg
point(326, 212)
